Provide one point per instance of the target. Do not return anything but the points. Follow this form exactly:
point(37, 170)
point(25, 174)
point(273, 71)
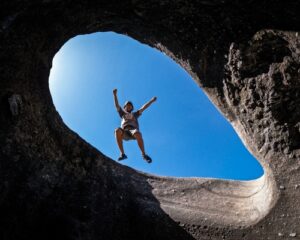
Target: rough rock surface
point(246, 57)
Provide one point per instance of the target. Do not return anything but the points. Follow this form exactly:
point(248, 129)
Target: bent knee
point(137, 135)
point(118, 131)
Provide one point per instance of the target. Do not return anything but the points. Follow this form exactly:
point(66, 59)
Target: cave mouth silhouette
point(89, 195)
point(88, 67)
point(194, 200)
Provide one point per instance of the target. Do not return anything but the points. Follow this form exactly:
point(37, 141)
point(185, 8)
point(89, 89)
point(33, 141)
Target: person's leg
point(139, 138)
point(119, 138)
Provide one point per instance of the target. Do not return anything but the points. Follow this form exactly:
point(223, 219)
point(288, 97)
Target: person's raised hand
point(154, 99)
point(115, 91)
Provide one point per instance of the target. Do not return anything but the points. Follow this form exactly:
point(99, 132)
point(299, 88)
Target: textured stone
point(15, 104)
point(246, 57)
point(293, 234)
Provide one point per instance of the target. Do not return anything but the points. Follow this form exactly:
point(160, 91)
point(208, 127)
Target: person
point(129, 129)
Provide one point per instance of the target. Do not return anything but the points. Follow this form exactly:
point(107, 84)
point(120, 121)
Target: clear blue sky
point(183, 132)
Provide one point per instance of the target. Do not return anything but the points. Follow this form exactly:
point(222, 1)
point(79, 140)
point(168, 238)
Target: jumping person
point(129, 129)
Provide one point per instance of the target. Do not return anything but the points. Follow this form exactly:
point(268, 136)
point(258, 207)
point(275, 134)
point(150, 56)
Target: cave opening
point(183, 131)
point(53, 178)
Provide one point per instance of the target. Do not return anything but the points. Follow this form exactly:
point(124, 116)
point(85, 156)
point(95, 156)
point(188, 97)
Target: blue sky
point(184, 133)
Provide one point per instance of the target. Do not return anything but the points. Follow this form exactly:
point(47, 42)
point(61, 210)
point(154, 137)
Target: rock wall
point(246, 57)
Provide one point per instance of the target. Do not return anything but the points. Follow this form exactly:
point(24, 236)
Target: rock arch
point(245, 56)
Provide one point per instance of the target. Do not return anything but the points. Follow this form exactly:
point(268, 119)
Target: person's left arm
point(146, 105)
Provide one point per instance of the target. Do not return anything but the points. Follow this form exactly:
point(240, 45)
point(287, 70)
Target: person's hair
point(128, 102)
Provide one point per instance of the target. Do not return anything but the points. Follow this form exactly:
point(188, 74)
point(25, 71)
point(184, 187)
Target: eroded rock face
point(54, 185)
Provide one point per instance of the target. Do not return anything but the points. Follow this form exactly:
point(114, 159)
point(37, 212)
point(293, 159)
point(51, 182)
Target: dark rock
point(246, 57)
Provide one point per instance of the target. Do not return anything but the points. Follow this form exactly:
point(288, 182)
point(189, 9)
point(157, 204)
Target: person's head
point(128, 106)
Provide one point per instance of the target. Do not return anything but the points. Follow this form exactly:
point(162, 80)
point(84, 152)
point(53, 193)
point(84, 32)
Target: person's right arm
point(116, 99)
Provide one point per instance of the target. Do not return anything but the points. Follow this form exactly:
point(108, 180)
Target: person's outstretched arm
point(116, 99)
point(146, 105)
